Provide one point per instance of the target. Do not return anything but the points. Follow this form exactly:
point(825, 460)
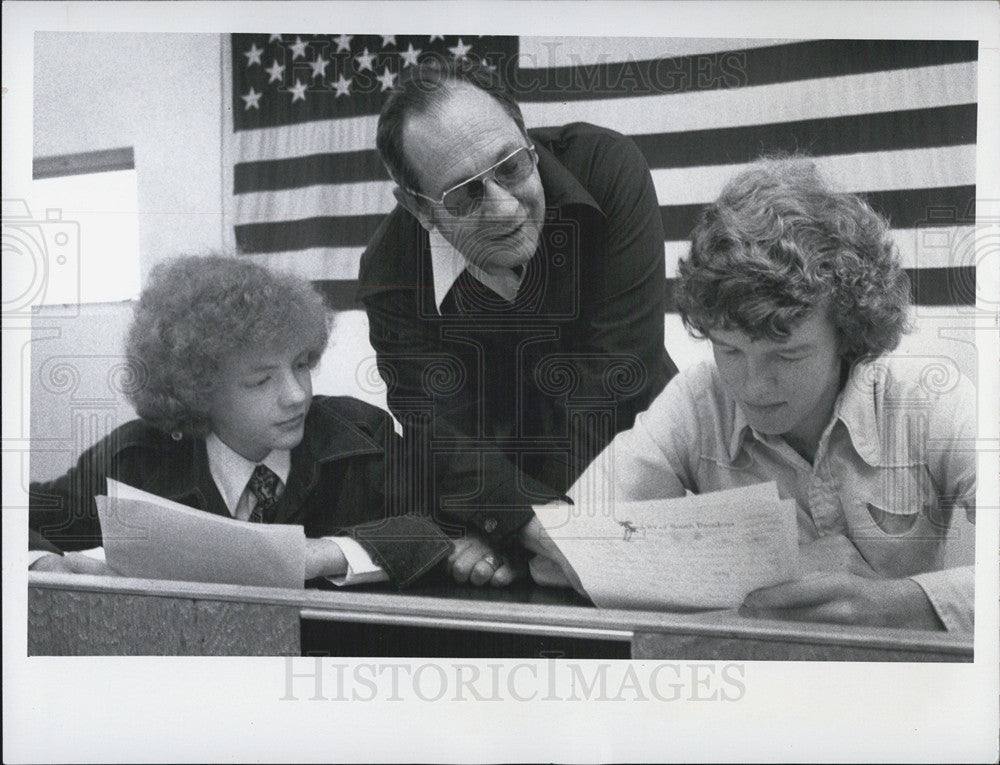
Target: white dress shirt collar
point(231, 471)
point(447, 265)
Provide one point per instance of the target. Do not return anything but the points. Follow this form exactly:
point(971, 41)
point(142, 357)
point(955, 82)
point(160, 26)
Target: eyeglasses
point(465, 198)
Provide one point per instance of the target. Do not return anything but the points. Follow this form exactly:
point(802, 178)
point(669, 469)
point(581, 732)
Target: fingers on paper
point(813, 598)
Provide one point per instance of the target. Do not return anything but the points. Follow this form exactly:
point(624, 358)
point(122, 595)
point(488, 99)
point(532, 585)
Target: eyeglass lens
point(465, 199)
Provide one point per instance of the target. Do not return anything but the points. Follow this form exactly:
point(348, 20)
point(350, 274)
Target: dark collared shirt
point(503, 403)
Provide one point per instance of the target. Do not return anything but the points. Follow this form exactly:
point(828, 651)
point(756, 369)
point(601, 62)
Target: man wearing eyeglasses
point(515, 297)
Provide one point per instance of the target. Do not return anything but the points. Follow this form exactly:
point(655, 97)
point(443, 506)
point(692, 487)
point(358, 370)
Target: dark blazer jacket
point(344, 480)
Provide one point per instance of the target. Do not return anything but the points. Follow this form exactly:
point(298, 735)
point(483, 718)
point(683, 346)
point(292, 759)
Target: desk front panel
point(85, 615)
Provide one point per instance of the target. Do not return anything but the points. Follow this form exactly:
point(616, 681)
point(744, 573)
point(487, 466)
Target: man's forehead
point(464, 122)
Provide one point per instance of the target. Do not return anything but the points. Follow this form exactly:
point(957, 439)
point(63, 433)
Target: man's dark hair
point(421, 87)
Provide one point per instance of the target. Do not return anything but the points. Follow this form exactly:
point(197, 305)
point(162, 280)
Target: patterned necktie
point(263, 485)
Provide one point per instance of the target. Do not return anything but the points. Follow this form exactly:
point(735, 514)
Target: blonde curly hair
point(197, 312)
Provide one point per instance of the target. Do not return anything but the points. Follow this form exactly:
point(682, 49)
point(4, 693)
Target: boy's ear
point(414, 206)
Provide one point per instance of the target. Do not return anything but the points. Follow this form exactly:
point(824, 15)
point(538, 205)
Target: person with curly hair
point(801, 294)
point(221, 352)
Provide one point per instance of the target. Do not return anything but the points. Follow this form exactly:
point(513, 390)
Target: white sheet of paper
point(700, 551)
point(155, 538)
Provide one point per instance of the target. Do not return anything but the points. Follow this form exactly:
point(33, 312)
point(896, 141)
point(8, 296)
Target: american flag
point(895, 120)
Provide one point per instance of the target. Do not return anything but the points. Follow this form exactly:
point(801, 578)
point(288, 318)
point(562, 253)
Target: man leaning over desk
point(515, 296)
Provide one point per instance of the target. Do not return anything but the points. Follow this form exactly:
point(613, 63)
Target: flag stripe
point(943, 286)
point(905, 208)
point(327, 230)
point(310, 170)
point(347, 134)
point(910, 129)
point(545, 52)
point(928, 287)
point(804, 100)
point(265, 206)
point(914, 128)
point(939, 247)
point(854, 173)
point(314, 263)
point(885, 171)
point(698, 73)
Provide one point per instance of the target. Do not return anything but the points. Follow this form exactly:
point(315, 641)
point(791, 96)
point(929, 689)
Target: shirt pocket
point(894, 519)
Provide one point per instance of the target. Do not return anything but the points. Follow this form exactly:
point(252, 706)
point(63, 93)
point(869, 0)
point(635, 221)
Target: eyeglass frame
point(491, 170)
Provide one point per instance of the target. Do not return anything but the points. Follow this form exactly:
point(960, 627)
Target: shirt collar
point(560, 185)
point(744, 431)
point(741, 431)
point(447, 264)
point(859, 407)
point(232, 471)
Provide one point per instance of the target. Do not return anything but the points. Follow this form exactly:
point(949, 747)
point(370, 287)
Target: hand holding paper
point(702, 551)
point(151, 537)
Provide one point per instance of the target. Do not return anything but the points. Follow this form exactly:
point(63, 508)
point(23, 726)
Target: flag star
point(298, 91)
point(460, 50)
point(253, 55)
point(388, 40)
point(387, 78)
point(319, 67)
point(276, 71)
point(410, 55)
point(344, 42)
point(437, 37)
point(272, 38)
point(343, 86)
point(251, 100)
point(365, 61)
point(299, 48)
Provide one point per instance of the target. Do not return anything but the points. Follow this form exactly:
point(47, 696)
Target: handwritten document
point(700, 551)
point(154, 538)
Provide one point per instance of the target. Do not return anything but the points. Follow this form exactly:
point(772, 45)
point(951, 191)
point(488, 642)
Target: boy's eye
point(260, 382)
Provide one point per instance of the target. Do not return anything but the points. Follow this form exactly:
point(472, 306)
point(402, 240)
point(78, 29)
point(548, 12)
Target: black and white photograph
point(411, 381)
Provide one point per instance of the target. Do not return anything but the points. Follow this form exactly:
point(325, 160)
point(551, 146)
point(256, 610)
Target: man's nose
point(498, 200)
